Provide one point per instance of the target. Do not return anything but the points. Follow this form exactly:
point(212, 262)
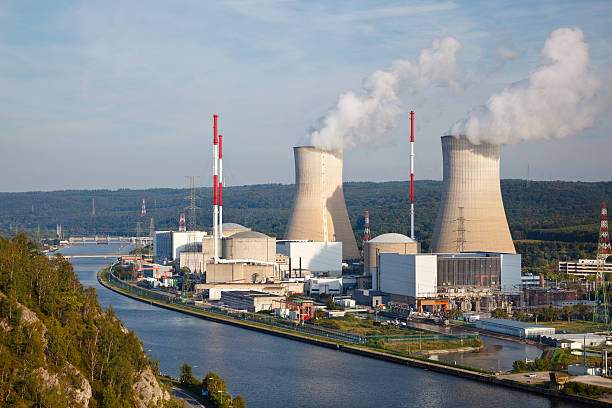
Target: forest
point(549, 220)
point(58, 347)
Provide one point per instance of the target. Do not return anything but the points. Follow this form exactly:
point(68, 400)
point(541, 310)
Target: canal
point(274, 372)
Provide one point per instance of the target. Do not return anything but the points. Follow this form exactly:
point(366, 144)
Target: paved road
point(189, 400)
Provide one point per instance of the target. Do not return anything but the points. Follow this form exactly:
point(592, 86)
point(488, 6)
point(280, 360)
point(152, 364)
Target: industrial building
point(468, 281)
point(386, 243)
point(315, 286)
point(212, 291)
point(319, 211)
point(167, 245)
point(471, 216)
point(249, 300)
point(514, 328)
point(409, 275)
point(582, 268)
point(321, 258)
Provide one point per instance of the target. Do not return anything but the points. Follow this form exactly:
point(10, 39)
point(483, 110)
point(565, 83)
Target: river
point(274, 372)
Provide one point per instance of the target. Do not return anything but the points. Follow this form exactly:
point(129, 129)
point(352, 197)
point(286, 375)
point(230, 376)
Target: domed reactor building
point(319, 210)
point(471, 216)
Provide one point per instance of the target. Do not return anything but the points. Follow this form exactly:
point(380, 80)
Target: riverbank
point(458, 371)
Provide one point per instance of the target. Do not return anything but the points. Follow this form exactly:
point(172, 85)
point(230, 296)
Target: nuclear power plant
point(319, 212)
point(471, 215)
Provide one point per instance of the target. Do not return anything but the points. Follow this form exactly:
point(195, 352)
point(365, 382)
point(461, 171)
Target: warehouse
point(249, 300)
point(168, 245)
point(514, 328)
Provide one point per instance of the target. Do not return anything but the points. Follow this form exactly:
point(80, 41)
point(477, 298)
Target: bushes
point(585, 390)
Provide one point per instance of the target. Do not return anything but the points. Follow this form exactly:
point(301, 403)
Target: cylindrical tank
point(249, 245)
point(319, 211)
point(387, 243)
point(471, 215)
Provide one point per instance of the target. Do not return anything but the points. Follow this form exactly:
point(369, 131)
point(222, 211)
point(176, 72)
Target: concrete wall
point(260, 248)
point(319, 211)
point(192, 260)
point(412, 275)
point(317, 257)
point(238, 273)
point(181, 241)
point(471, 191)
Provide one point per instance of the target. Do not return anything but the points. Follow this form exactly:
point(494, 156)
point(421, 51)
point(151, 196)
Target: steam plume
point(557, 101)
point(362, 117)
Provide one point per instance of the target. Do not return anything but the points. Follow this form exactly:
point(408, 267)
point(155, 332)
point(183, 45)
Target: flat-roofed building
point(249, 300)
point(582, 268)
point(514, 328)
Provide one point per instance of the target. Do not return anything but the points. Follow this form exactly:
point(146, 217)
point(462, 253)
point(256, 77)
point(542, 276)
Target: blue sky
point(114, 94)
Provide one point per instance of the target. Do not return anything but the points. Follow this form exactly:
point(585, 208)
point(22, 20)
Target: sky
point(120, 94)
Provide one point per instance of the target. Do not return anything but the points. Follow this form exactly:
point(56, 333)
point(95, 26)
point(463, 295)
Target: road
point(189, 400)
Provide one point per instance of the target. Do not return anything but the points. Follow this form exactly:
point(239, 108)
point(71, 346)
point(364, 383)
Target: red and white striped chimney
point(220, 186)
point(412, 174)
point(215, 191)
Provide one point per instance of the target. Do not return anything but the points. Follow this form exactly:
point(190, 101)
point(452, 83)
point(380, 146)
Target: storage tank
point(319, 211)
point(471, 215)
point(387, 243)
point(250, 245)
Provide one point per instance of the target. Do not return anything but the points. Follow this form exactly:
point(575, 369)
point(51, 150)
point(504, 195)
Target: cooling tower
point(471, 216)
point(319, 211)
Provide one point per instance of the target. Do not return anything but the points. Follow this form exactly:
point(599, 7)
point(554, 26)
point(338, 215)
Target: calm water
point(274, 372)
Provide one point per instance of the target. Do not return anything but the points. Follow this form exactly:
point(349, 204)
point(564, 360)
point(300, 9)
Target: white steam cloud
point(557, 101)
point(367, 116)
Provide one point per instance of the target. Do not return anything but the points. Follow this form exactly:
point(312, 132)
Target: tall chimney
point(319, 211)
point(412, 174)
point(215, 191)
point(471, 215)
point(220, 186)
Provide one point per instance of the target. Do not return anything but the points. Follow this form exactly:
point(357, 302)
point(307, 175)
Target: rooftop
point(511, 323)
point(393, 237)
point(251, 293)
point(248, 234)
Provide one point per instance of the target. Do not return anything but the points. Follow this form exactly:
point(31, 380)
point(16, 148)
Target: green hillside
point(58, 347)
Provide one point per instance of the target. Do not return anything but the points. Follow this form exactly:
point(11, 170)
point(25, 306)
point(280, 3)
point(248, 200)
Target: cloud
point(558, 100)
point(370, 115)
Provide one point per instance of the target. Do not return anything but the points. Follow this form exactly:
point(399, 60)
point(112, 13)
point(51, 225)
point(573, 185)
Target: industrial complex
point(472, 264)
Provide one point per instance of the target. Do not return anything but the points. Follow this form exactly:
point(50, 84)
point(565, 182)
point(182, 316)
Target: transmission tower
point(143, 210)
point(600, 310)
point(366, 232)
point(460, 231)
point(93, 207)
point(192, 208)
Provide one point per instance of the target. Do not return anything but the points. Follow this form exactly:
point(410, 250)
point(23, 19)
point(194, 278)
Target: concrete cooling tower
point(471, 216)
point(319, 211)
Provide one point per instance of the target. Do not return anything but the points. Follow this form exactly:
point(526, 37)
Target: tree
point(186, 377)
point(455, 314)
point(566, 312)
point(238, 402)
point(499, 314)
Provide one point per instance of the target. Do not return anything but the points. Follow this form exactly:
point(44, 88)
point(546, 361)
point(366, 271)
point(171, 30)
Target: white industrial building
point(322, 258)
point(315, 286)
point(411, 275)
point(168, 245)
point(514, 328)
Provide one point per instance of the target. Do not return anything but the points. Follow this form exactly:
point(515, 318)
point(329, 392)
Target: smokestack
point(319, 211)
point(412, 174)
point(220, 186)
point(471, 215)
point(215, 187)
